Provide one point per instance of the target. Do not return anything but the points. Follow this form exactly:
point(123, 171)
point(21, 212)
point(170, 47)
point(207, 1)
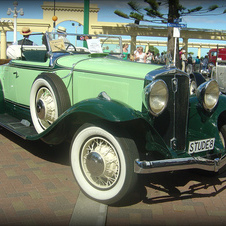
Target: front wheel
point(102, 163)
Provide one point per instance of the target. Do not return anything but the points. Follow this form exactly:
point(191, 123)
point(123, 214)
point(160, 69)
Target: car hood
point(104, 64)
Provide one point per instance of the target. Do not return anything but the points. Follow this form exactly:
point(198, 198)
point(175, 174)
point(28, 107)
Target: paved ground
point(37, 188)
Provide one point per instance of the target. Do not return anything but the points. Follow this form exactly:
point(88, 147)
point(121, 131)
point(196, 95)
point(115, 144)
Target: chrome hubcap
point(95, 164)
point(40, 108)
point(100, 163)
point(45, 107)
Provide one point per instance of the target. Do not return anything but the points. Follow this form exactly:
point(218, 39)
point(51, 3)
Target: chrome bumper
point(143, 167)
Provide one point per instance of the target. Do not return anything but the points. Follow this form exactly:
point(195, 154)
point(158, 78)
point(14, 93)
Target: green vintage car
point(122, 118)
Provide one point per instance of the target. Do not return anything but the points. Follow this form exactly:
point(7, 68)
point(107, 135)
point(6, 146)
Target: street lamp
point(15, 14)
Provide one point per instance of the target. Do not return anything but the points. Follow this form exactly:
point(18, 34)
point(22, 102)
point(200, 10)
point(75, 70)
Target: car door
point(8, 81)
point(22, 75)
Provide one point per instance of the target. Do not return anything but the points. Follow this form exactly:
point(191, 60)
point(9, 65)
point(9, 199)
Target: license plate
point(201, 145)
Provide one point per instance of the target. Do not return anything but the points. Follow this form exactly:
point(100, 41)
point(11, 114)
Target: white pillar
point(199, 51)
point(3, 44)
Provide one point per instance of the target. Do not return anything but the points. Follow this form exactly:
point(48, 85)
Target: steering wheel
point(68, 44)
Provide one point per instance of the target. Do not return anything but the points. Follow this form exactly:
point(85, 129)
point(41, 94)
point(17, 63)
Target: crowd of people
point(187, 62)
point(140, 56)
point(190, 65)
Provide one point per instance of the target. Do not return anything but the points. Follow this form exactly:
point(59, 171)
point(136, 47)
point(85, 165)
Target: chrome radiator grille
point(172, 124)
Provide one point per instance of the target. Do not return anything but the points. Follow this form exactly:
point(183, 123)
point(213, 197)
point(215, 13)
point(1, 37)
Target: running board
point(21, 128)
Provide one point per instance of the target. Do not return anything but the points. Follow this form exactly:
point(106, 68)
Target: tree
point(175, 11)
point(190, 53)
point(154, 49)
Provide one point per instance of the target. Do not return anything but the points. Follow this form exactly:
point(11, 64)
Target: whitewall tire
point(48, 100)
point(102, 163)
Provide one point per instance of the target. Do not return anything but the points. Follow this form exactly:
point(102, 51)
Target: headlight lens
point(156, 97)
point(208, 94)
point(211, 95)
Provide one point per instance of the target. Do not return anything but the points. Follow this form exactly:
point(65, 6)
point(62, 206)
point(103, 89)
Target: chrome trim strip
point(17, 104)
point(109, 74)
point(145, 167)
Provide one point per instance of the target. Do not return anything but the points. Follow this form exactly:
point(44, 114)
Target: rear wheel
point(48, 100)
point(102, 162)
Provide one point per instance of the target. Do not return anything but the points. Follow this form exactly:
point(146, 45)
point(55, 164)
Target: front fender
point(97, 109)
point(204, 125)
point(199, 79)
point(109, 110)
point(100, 108)
point(115, 112)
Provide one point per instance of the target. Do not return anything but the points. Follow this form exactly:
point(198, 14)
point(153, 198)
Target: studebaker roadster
point(122, 118)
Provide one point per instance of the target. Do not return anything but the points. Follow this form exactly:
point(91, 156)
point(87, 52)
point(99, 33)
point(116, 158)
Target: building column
point(146, 48)
point(3, 44)
point(199, 51)
point(133, 43)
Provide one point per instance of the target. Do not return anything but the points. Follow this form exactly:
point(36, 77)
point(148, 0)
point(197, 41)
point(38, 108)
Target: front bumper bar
point(144, 167)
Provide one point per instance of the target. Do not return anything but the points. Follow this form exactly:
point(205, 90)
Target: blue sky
point(32, 9)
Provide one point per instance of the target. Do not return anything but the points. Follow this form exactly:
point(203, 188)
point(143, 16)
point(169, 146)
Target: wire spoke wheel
point(103, 162)
point(100, 163)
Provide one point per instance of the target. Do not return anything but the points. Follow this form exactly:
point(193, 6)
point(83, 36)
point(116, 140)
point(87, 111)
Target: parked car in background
point(218, 73)
point(216, 54)
point(122, 118)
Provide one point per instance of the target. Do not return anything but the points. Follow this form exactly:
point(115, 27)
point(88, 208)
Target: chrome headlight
point(208, 94)
point(155, 97)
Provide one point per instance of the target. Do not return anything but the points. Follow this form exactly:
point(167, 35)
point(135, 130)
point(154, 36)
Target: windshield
point(84, 43)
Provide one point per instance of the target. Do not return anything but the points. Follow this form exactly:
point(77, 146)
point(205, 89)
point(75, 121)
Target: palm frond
point(121, 14)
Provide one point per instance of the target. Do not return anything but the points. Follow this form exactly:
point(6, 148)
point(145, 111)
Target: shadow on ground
point(177, 185)
point(182, 185)
point(57, 154)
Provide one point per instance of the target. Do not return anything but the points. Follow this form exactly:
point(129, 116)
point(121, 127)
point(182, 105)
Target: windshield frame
point(103, 39)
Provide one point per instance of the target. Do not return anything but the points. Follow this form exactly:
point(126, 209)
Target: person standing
point(140, 56)
point(189, 67)
point(162, 58)
point(183, 59)
point(125, 51)
point(150, 57)
point(205, 62)
point(197, 64)
point(180, 60)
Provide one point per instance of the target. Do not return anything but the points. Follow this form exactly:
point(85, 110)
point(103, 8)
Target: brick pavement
point(36, 183)
point(37, 188)
point(178, 198)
